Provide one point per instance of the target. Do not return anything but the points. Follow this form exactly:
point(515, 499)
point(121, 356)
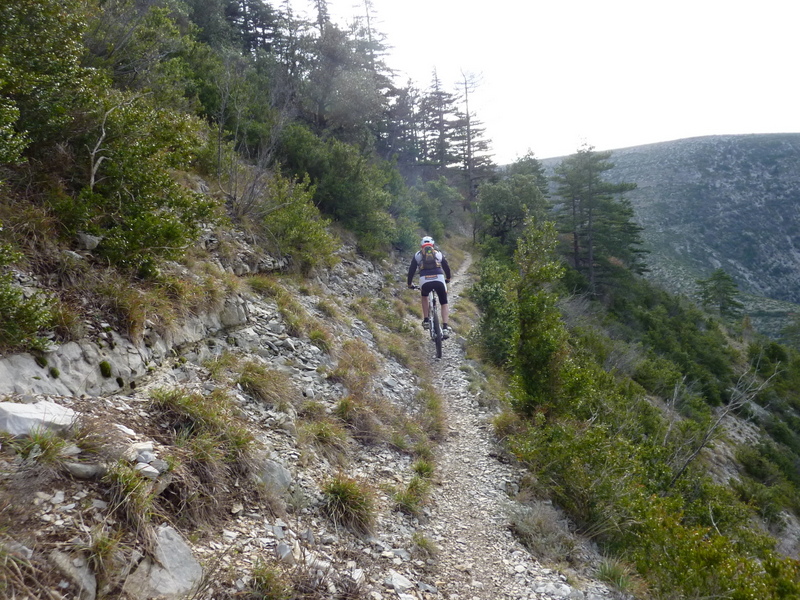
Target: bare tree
point(747, 387)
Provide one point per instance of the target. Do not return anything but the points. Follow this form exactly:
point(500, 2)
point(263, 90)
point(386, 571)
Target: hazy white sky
point(610, 73)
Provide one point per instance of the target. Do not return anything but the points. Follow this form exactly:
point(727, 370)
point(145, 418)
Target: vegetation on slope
point(619, 393)
point(112, 112)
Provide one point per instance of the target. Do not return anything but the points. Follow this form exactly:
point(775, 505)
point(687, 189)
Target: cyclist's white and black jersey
point(440, 273)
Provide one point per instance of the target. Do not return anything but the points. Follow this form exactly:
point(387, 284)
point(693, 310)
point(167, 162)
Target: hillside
point(213, 379)
point(721, 201)
point(360, 406)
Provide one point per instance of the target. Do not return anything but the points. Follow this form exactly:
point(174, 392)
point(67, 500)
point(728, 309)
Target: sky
point(559, 74)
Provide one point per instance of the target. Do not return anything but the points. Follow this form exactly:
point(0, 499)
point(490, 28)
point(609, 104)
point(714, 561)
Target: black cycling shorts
point(437, 286)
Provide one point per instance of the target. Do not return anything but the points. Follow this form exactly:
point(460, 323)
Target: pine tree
point(530, 165)
point(437, 117)
point(720, 292)
point(471, 145)
point(600, 226)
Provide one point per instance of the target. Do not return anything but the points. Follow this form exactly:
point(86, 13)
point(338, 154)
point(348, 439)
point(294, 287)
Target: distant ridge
point(730, 201)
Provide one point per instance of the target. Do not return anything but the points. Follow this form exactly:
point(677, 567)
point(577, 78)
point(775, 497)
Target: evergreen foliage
point(600, 226)
point(104, 108)
point(21, 319)
point(504, 206)
point(625, 472)
point(720, 292)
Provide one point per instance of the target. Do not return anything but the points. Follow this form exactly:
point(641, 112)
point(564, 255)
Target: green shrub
point(21, 319)
point(268, 583)
point(495, 295)
point(349, 504)
point(350, 187)
point(657, 375)
point(295, 226)
point(414, 496)
point(131, 200)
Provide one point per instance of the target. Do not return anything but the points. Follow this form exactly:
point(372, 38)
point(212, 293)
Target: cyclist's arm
point(446, 268)
point(412, 268)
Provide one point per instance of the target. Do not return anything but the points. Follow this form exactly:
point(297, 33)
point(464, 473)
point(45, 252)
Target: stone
point(22, 419)
point(274, 476)
point(87, 241)
point(161, 465)
point(16, 549)
point(402, 553)
point(174, 573)
point(85, 470)
point(147, 470)
point(75, 568)
point(283, 553)
point(308, 537)
point(398, 582)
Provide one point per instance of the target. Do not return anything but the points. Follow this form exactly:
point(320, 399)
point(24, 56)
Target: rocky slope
point(456, 544)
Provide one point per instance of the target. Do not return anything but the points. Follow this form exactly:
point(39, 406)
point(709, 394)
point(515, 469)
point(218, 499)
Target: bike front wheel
point(437, 334)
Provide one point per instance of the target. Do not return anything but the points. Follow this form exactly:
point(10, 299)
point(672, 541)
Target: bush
point(349, 504)
point(295, 227)
point(350, 187)
point(131, 200)
point(495, 295)
point(21, 319)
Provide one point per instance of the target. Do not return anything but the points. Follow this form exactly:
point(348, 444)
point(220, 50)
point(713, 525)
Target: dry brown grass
point(267, 384)
point(357, 365)
point(543, 530)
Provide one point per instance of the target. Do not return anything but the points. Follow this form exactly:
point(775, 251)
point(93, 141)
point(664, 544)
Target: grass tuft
point(41, 446)
point(269, 583)
point(621, 576)
point(415, 495)
point(423, 468)
point(327, 436)
point(349, 504)
point(543, 531)
point(357, 365)
point(266, 384)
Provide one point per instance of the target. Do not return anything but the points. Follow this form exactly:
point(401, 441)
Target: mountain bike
point(435, 330)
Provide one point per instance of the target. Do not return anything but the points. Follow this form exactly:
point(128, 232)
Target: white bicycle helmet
point(427, 240)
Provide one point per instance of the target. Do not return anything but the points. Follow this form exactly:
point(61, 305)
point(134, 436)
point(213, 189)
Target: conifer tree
point(438, 117)
point(599, 225)
point(471, 145)
point(720, 292)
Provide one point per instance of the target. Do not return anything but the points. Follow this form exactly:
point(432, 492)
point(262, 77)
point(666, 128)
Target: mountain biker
point(434, 275)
